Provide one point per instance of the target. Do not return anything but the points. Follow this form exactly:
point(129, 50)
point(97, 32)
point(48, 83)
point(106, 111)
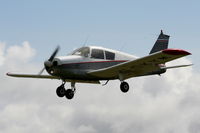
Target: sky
point(30, 31)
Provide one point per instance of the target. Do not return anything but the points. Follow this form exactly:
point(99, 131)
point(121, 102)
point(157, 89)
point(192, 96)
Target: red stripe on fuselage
point(95, 62)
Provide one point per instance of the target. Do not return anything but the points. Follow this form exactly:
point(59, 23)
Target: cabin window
point(82, 52)
point(98, 54)
point(110, 55)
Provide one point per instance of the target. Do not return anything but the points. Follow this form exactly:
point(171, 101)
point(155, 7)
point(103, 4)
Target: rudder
point(161, 43)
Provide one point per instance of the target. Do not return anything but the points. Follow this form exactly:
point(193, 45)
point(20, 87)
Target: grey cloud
point(194, 127)
point(165, 104)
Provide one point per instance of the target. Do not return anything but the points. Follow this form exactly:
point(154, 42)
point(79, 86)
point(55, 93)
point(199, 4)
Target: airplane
point(92, 64)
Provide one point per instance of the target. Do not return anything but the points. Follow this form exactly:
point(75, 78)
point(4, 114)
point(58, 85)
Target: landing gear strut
point(69, 93)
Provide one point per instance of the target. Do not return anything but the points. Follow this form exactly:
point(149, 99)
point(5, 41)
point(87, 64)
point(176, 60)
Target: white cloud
point(20, 53)
point(17, 57)
point(154, 104)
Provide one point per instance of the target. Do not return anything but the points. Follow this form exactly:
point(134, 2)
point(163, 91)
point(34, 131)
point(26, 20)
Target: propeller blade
point(41, 71)
point(49, 62)
point(54, 53)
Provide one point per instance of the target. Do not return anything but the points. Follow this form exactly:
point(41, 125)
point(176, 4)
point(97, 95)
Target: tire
point(60, 91)
point(124, 87)
point(69, 94)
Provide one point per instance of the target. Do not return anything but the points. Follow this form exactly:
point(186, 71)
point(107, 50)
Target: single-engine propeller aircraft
point(92, 64)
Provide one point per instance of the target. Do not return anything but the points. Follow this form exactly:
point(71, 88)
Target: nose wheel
point(60, 91)
point(69, 93)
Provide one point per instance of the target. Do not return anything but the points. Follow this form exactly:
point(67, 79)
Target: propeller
point(49, 61)
point(41, 71)
point(54, 53)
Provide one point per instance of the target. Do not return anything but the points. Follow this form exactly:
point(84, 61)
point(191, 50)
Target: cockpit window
point(109, 55)
point(97, 54)
point(82, 52)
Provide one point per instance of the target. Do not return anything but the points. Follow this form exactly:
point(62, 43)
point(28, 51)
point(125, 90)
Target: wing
point(32, 76)
point(51, 77)
point(141, 66)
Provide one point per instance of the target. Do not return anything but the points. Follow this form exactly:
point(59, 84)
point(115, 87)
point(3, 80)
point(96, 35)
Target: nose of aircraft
point(47, 63)
point(66, 59)
point(50, 65)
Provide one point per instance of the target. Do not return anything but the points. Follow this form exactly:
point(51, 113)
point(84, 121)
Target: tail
point(161, 43)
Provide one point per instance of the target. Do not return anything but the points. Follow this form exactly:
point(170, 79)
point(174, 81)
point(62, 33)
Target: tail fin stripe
point(161, 43)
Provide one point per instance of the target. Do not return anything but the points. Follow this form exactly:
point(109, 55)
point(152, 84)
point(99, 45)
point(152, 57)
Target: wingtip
point(8, 74)
point(176, 52)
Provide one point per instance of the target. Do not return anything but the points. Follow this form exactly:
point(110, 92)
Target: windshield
point(84, 51)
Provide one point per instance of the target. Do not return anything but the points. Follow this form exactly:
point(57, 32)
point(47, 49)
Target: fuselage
point(83, 60)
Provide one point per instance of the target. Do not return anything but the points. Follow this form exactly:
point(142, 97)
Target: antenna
point(161, 32)
point(86, 40)
point(122, 47)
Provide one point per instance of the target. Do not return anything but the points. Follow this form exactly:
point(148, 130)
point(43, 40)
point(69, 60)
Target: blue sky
point(108, 23)
point(131, 26)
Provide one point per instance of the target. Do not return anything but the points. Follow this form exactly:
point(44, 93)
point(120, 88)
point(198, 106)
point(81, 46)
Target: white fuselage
point(86, 59)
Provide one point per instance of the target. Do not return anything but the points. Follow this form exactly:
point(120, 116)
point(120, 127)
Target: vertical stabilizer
point(161, 43)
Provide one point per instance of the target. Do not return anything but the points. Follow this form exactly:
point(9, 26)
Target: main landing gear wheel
point(124, 87)
point(69, 93)
point(60, 91)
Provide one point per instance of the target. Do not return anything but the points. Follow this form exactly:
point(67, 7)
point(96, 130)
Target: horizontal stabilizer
point(170, 67)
